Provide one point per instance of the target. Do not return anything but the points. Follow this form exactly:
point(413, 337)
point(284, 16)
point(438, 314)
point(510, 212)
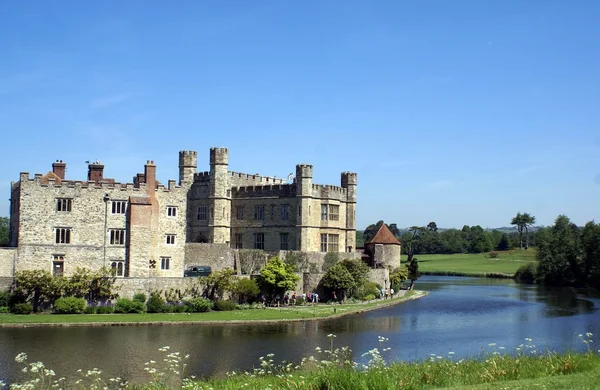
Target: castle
point(146, 229)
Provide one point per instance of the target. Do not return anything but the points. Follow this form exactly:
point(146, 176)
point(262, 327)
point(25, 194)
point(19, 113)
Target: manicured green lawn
point(507, 262)
point(271, 314)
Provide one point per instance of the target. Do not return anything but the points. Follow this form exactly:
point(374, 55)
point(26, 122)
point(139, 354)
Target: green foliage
point(4, 229)
point(89, 310)
point(505, 243)
point(178, 308)
point(359, 272)
point(224, 305)
point(277, 277)
point(216, 284)
point(155, 303)
point(526, 273)
point(338, 280)
point(199, 305)
point(125, 305)
point(105, 309)
point(246, 290)
point(369, 297)
point(367, 289)
point(4, 298)
point(38, 287)
point(397, 276)
point(523, 222)
point(331, 259)
point(360, 239)
point(139, 297)
point(69, 305)
point(22, 308)
point(412, 272)
point(4, 309)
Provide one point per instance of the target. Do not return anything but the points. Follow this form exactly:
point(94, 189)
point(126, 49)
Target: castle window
point(285, 212)
point(119, 206)
point(170, 239)
point(165, 263)
point(117, 236)
point(58, 265)
point(272, 211)
point(323, 242)
point(239, 213)
point(202, 211)
point(63, 235)
point(171, 211)
point(63, 205)
point(324, 209)
point(333, 243)
point(334, 212)
point(259, 241)
point(117, 267)
point(259, 212)
point(239, 241)
point(283, 241)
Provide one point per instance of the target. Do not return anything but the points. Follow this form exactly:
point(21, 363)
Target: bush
point(125, 305)
point(299, 301)
point(90, 310)
point(22, 308)
point(493, 255)
point(249, 306)
point(199, 305)
point(224, 305)
point(4, 298)
point(155, 304)
point(177, 309)
point(526, 273)
point(4, 309)
point(246, 290)
point(139, 297)
point(367, 288)
point(69, 305)
point(105, 309)
point(369, 297)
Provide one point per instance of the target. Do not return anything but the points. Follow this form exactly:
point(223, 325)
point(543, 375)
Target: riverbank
point(266, 315)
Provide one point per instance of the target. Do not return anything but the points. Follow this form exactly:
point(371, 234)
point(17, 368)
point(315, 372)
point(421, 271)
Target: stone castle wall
point(7, 261)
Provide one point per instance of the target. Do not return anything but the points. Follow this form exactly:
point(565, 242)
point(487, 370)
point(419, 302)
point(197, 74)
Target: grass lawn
point(507, 262)
point(322, 310)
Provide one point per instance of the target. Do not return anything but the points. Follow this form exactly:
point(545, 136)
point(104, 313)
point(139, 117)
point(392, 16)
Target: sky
point(458, 112)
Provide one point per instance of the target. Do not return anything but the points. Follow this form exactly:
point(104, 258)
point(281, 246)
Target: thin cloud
point(108, 101)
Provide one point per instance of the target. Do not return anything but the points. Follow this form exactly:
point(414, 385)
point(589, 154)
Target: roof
point(384, 236)
point(51, 176)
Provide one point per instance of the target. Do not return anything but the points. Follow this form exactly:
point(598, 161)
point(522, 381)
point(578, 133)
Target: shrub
point(369, 297)
point(22, 308)
point(4, 298)
point(299, 301)
point(199, 305)
point(4, 309)
point(493, 255)
point(177, 309)
point(105, 309)
point(125, 305)
point(246, 290)
point(90, 310)
point(249, 306)
point(155, 304)
point(224, 305)
point(526, 273)
point(139, 297)
point(367, 288)
point(69, 305)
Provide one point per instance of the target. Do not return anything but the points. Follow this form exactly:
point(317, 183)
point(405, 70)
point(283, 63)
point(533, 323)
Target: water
point(461, 315)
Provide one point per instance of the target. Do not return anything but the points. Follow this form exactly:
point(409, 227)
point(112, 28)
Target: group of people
point(290, 300)
point(387, 293)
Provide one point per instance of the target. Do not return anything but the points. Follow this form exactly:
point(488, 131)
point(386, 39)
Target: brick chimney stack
point(59, 168)
point(150, 176)
point(95, 171)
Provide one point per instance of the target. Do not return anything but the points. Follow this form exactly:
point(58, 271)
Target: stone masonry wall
point(217, 256)
point(7, 257)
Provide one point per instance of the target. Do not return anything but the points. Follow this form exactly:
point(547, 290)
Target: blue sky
point(459, 112)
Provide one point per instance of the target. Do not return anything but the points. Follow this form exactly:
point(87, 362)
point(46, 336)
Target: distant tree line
point(430, 239)
point(4, 224)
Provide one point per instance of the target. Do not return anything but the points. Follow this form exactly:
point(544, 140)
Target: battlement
point(219, 156)
point(202, 177)
point(273, 190)
point(304, 171)
point(349, 178)
point(188, 159)
point(329, 191)
point(246, 179)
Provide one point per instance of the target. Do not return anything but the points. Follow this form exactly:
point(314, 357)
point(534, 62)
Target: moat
point(461, 315)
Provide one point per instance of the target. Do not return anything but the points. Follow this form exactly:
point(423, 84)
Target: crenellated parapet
point(329, 192)
point(274, 190)
point(349, 179)
point(219, 156)
point(239, 179)
point(202, 177)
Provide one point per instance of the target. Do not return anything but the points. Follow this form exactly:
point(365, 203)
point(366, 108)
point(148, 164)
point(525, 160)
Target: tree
point(397, 276)
point(37, 287)
point(216, 284)
point(504, 243)
point(412, 272)
point(4, 228)
point(432, 227)
point(590, 239)
point(246, 290)
point(358, 270)
point(411, 241)
point(523, 222)
point(277, 277)
point(558, 254)
point(339, 280)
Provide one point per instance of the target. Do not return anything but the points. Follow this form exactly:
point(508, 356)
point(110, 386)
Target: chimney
point(150, 176)
point(95, 171)
point(59, 168)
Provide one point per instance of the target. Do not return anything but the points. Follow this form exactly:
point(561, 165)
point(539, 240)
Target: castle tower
point(349, 182)
point(304, 175)
point(219, 197)
point(188, 161)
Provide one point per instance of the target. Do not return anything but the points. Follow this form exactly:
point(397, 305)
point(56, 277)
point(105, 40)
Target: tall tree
point(432, 227)
point(413, 271)
point(523, 222)
point(277, 277)
point(411, 241)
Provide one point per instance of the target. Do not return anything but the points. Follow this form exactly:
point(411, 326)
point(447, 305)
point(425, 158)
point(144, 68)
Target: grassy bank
point(333, 368)
point(269, 314)
point(480, 264)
